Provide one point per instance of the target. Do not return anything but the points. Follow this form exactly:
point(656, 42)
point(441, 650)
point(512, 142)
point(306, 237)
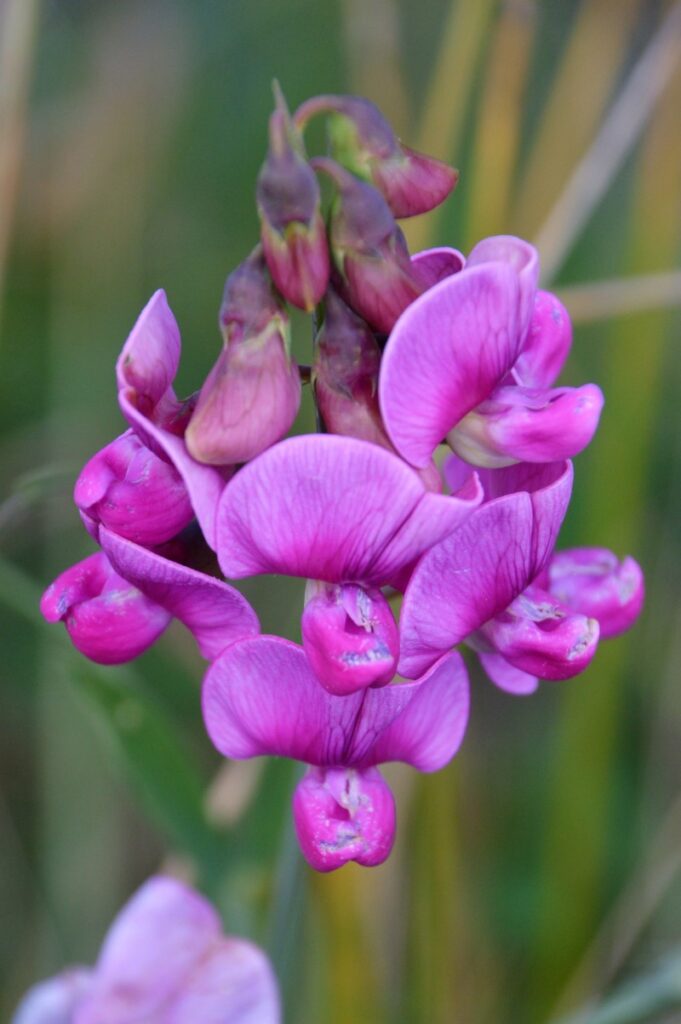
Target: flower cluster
point(412, 353)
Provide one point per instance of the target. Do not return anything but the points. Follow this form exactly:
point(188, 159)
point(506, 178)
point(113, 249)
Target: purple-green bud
point(363, 141)
point(289, 205)
point(251, 396)
point(369, 250)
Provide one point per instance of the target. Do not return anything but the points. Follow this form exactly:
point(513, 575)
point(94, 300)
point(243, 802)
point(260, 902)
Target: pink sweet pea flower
point(473, 360)
point(163, 961)
point(116, 603)
point(145, 370)
point(262, 697)
point(593, 581)
point(475, 574)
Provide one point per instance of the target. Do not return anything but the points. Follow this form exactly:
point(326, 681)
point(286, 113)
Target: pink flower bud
point(251, 396)
point(293, 234)
point(350, 636)
point(344, 814)
point(108, 620)
point(538, 635)
point(592, 581)
point(133, 492)
point(369, 250)
point(363, 141)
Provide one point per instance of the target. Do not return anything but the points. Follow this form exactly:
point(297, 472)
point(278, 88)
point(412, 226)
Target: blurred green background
point(542, 869)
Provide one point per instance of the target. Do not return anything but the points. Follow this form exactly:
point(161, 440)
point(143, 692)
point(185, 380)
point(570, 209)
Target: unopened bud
point(350, 636)
point(251, 396)
point(108, 620)
point(594, 582)
point(293, 234)
point(132, 492)
point(344, 814)
point(369, 250)
point(363, 141)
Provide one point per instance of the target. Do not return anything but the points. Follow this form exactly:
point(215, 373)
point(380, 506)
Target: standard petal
point(151, 949)
point(523, 258)
point(150, 357)
point(518, 424)
point(507, 677)
point(233, 984)
point(216, 613)
point(54, 1001)
point(323, 507)
point(547, 344)
point(479, 570)
point(446, 354)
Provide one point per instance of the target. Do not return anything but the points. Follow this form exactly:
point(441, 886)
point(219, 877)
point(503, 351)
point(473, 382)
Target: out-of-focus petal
point(594, 582)
point(150, 357)
point(446, 353)
point(547, 344)
point(108, 619)
point(151, 949)
point(476, 572)
point(518, 424)
point(507, 677)
point(523, 258)
point(54, 1001)
point(330, 508)
point(261, 697)
point(216, 613)
point(233, 984)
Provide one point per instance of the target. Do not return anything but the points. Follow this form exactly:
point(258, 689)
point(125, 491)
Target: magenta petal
point(523, 258)
point(151, 355)
point(594, 582)
point(479, 570)
point(434, 265)
point(133, 492)
point(216, 613)
point(329, 508)
point(528, 425)
point(54, 1001)
point(446, 353)
point(343, 815)
point(233, 984)
point(547, 344)
point(154, 944)
point(109, 620)
point(507, 677)
point(204, 484)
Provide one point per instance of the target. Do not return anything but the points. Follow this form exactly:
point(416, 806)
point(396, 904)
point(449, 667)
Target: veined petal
point(150, 358)
point(547, 344)
point(434, 265)
point(506, 676)
point(233, 984)
point(54, 1001)
point(216, 613)
point(518, 424)
point(152, 947)
point(479, 570)
point(261, 697)
point(523, 258)
point(446, 353)
point(330, 508)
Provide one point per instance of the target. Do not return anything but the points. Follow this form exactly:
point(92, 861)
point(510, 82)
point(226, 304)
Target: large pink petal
point(476, 572)
point(523, 258)
point(150, 357)
point(331, 508)
point(234, 984)
point(260, 697)
point(152, 947)
point(216, 613)
point(447, 352)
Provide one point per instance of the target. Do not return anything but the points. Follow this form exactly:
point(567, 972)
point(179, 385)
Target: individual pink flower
point(116, 603)
point(595, 582)
point(251, 396)
point(164, 960)
point(145, 371)
point(472, 576)
point(473, 360)
point(261, 697)
point(344, 512)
